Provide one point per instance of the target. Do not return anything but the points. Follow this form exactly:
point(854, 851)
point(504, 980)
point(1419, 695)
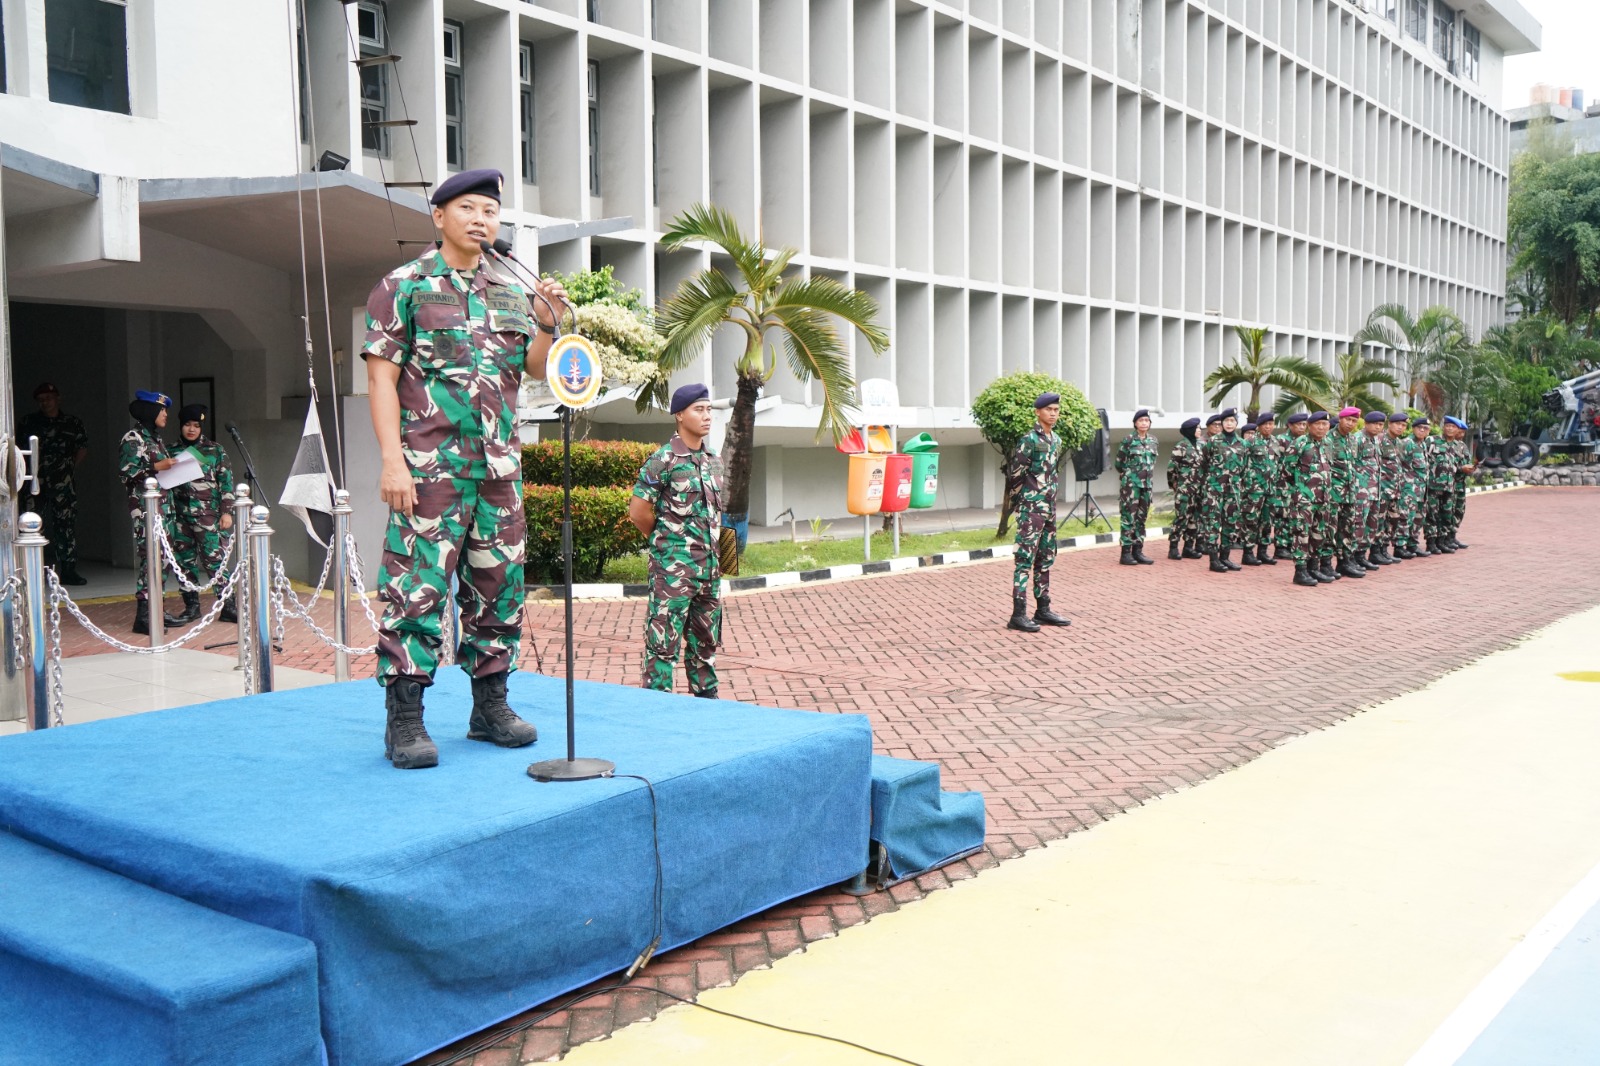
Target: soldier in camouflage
point(1415, 467)
point(1370, 554)
point(1033, 475)
point(1287, 456)
point(204, 511)
point(1465, 467)
point(1440, 501)
point(1266, 461)
point(141, 455)
point(449, 337)
point(677, 505)
point(1183, 467)
point(63, 444)
point(1312, 503)
point(1394, 487)
point(1222, 473)
point(1136, 465)
point(1347, 490)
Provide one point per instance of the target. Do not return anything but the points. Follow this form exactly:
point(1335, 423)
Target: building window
point(530, 169)
point(303, 80)
point(1444, 31)
point(86, 45)
point(1471, 46)
point(655, 141)
point(1386, 8)
point(370, 34)
point(1417, 19)
point(455, 145)
point(594, 128)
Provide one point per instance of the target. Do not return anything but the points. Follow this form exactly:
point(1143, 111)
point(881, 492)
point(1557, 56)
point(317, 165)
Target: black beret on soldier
point(481, 182)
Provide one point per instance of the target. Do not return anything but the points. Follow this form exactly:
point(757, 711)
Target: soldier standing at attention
point(142, 456)
point(1223, 470)
point(1370, 554)
point(204, 510)
point(1269, 459)
point(1415, 460)
point(1310, 503)
point(1456, 431)
point(1394, 486)
point(1136, 462)
point(448, 340)
point(1182, 467)
point(677, 505)
point(1347, 448)
point(1035, 479)
point(1288, 458)
point(1441, 491)
point(1253, 493)
point(63, 444)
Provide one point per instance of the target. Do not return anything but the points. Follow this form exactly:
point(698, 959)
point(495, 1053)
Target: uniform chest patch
point(429, 297)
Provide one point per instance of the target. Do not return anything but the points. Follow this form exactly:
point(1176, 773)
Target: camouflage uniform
point(1440, 504)
point(140, 451)
point(1369, 493)
point(685, 488)
point(1034, 473)
point(199, 506)
point(60, 440)
point(1183, 478)
point(1285, 452)
point(460, 339)
point(1347, 490)
point(1136, 462)
point(1390, 490)
point(1256, 526)
point(1312, 500)
point(1462, 456)
point(1222, 473)
point(1414, 468)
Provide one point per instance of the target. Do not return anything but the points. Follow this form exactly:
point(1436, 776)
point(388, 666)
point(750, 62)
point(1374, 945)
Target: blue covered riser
point(440, 901)
point(917, 825)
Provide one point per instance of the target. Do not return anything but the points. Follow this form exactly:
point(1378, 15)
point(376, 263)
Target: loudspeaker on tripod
point(1091, 460)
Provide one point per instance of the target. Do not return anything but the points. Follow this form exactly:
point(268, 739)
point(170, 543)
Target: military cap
point(1248, 427)
point(45, 388)
point(1213, 420)
point(1350, 412)
point(1228, 412)
point(1452, 420)
point(468, 182)
point(1420, 420)
point(1320, 416)
point(688, 396)
point(1190, 423)
point(153, 397)
point(1298, 417)
point(1266, 416)
point(1399, 416)
point(194, 412)
point(1045, 399)
point(1141, 413)
point(1377, 416)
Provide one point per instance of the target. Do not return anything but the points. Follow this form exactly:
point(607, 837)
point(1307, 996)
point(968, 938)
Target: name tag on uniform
point(429, 297)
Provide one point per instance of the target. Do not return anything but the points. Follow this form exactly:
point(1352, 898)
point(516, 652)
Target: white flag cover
point(309, 488)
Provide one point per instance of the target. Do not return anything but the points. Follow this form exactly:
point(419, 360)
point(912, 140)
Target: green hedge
point(601, 531)
point(595, 463)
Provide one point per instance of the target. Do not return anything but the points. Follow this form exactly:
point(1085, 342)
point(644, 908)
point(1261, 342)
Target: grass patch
point(780, 556)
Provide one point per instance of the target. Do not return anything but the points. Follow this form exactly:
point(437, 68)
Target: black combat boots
point(1248, 558)
point(1173, 549)
point(1046, 617)
point(191, 608)
point(141, 618)
point(1323, 571)
point(1264, 558)
point(492, 717)
point(406, 742)
point(708, 694)
point(1139, 556)
point(1456, 544)
point(68, 575)
point(1019, 614)
point(1348, 567)
point(1127, 556)
point(229, 612)
point(1302, 576)
point(1191, 550)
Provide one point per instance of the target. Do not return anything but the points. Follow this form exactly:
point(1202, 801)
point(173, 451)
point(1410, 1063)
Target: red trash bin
point(896, 483)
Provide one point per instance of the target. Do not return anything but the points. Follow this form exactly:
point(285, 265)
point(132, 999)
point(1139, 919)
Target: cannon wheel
point(1520, 453)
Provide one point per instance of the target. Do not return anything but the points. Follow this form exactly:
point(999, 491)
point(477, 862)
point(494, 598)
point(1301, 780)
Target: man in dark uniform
point(677, 505)
point(63, 444)
point(449, 337)
point(1035, 479)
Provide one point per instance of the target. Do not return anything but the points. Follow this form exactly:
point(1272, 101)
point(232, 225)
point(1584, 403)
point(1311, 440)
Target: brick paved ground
point(1168, 676)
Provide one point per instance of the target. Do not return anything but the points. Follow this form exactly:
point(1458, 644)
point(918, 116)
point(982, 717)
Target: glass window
point(594, 128)
point(1387, 9)
point(374, 80)
point(455, 105)
point(86, 43)
point(1471, 49)
point(530, 171)
point(1417, 19)
point(1444, 30)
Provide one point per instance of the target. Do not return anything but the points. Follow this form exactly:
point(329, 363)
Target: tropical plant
point(1355, 375)
point(1257, 370)
point(1421, 344)
point(616, 320)
point(1469, 381)
point(1553, 223)
point(1004, 413)
point(760, 301)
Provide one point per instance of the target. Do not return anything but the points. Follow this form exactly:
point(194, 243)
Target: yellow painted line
point(1330, 902)
point(1580, 675)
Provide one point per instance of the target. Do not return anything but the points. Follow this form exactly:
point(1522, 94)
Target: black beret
point(1248, 427)
point(1140, 413)
point(1228, 412)
point(1421, 420)
point(1045, 399)
point(1320, 416)
point(1399, 416)
point(1266, 416)
point(194, 412)
point(1298, 417)
point(688, 396)
point(45, 388)
point(1213, 420)
point(1377, 416)
point(482, 182)
point(1190, 423)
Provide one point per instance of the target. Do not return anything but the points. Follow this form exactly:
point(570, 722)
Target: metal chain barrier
point(58, 688)
point(283, 596)
point(355, 579)
point(171, 557)
point(12, 590)
point(286, 591)
point(58, 595)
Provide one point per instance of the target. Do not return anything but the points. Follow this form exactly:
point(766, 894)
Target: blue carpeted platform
point(442, 900)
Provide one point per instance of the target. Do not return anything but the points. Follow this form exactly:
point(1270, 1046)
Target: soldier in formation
point(142, 455)
point(63, 445)
point(1222, 472)
point(1135, 464)
point(677, 505)
point(203, 510)
point(1183, 468)
point(449, 337)
point(1034, 476)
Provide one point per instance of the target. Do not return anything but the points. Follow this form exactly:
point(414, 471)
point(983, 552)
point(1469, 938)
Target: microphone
point(501, 249)
point(233, 431)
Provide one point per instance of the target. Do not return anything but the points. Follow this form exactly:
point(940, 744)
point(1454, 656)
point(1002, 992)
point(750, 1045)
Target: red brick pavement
point(1168, 676)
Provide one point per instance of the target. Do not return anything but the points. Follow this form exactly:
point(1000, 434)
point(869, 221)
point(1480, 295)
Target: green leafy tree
point(1355, 376)
point(1256, 370)
point(1421, 344)
point(1553, 222)
point(1004, 413)
point(757, 299)
point(616, 320)
point(1471, 382)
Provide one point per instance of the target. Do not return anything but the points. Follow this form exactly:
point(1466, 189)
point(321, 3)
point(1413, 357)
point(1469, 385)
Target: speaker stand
point(1090, 508)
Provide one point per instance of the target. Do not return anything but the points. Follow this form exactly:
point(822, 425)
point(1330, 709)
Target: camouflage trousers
point(475, 531)
point(136, 512)
point(682, 604)
point(1220, 513)
point(1036, 552)
point(1282, 512)
point(1311, 538)
point(1370, 513)
point(1349, 523)
point(57, 506)
point(1255, 526)
point(1186, 511)
point(1458, 509)
point(1406, 525)
point(1439, 513)
point(1133, 504)
point(198, 544)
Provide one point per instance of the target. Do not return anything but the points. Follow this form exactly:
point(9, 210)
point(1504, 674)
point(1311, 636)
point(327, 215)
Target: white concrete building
point(1099, 189)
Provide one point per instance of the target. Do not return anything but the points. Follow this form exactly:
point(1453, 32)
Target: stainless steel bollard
point(241, 587)
point(341, 584)
point(31, 543)
point(260, 547)
point(154, 580)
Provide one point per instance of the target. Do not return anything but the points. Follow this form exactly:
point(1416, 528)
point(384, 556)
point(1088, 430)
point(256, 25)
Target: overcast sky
point(1571, 53)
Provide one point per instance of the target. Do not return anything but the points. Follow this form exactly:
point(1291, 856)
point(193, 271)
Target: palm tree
point(1421, 343)
point(759, 300)
point(1259, 370)
point(1469, 381)
point(1354, 376)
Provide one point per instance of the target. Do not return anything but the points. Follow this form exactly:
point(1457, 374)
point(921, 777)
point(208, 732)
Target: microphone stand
point(571, 768)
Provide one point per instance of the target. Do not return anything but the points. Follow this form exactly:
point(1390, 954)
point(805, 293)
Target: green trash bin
point(922, 442)
point(924, 477)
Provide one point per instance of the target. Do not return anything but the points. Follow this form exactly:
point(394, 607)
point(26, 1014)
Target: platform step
point(916, 825)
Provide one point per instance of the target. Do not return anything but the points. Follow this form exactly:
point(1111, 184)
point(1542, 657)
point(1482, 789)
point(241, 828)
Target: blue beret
point(1377, 416)
point(153, 397)
point(1399, 416)
point(688, 396)
point(1046, 399)
point(1320, 416)
point(1265, 417)
point(482, 182)
point(1299, 417)
point(1213, 420)
point(1140, 413)
point(1452, 420)
point(1228, 412)
point(1190, 423)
